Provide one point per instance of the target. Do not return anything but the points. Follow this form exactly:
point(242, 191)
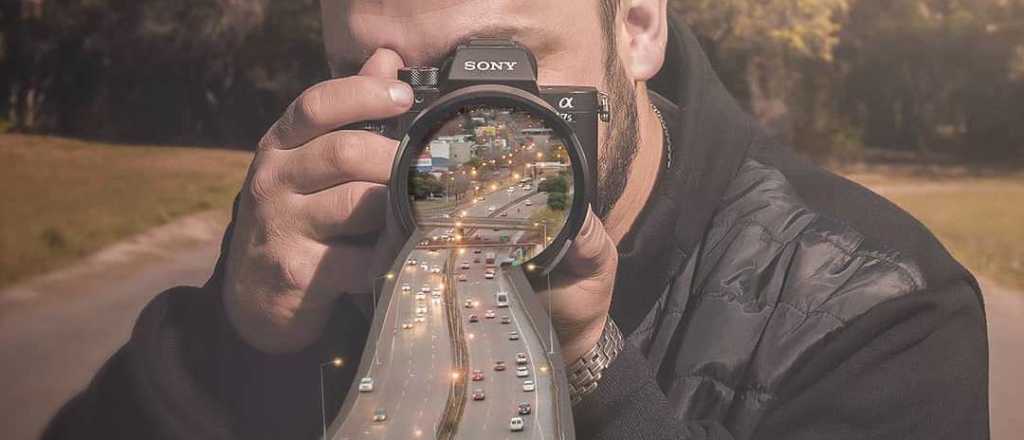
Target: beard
point(621, 140)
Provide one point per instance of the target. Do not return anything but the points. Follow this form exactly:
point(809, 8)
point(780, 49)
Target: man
point(759, 296)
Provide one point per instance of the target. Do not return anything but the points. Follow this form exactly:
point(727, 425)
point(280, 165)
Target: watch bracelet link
point(585, 373)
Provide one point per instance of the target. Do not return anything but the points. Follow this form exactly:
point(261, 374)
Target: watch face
point(492, 179)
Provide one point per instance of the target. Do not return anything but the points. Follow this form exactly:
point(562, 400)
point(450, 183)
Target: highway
point(412, 368)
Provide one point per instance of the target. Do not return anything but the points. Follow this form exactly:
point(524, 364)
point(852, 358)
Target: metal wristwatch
point(585, 373)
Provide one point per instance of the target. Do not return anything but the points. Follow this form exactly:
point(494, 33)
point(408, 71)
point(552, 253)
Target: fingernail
point(401, 94)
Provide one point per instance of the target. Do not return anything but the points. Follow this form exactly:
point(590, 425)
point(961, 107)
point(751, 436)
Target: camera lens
point(493, 180)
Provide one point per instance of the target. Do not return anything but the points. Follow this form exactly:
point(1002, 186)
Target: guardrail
point(449, 423)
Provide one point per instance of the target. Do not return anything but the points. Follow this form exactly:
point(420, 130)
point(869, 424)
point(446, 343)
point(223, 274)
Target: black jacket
point(776, 300)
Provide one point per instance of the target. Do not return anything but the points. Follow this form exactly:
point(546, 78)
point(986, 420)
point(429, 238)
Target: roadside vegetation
point(64, 199)
point(980, 219)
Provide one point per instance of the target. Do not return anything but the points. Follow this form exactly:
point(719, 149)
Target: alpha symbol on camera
point(566, 102)
point(500, 66)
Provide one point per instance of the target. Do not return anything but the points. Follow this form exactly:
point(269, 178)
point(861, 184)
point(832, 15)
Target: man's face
point(568, 37)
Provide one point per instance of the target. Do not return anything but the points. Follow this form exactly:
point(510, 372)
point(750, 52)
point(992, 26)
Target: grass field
point(979, 219)
point(64, 198)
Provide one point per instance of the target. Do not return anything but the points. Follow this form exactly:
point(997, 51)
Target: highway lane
point(490, 343)
point(411, 379)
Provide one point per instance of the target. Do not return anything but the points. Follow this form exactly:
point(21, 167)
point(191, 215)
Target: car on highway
point(412, 262)
point(476, 251)
point(506, 319)
point(513, 336)
point(478, 394)
point(380, 415)
point(489, 275)
point(478, 375)
point(511, 189)
point(476, 260)
point(489, 314)
point(425, 288)
point(504, 214)
point(468, 304)
point(516, 424)
point(465, 265)
point(521, 359)
point(499, 365)
point(407, 325)
point(406, 287)
point(425, 266)
point(366, 384)
point(436, 293)
point(420, 296)
point(461, 277)
point(529, 203)
point(528, 385)
point(525, 408)
point(474, 318)
point(435, 269)
point(501, 299)
point(492, 208)
point(522, 371)
point(420, 318)
point(421, 310)
point(527, 187)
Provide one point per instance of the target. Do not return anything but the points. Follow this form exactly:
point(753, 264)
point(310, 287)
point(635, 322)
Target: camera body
point(484, 62)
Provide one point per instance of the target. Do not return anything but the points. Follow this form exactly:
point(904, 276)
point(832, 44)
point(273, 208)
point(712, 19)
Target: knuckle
point(342, 153)
point(308, 106)
point(262, 185)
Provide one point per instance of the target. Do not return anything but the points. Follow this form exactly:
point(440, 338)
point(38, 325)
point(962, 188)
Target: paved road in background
point(57, 330)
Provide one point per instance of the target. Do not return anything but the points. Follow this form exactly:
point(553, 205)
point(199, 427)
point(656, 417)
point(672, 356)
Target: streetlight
point(337, 362)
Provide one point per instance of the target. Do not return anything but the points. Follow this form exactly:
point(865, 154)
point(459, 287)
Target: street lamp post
point(336, 363)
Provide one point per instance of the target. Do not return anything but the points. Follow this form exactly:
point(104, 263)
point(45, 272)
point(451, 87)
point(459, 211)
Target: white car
point(513, 336)
point(529, 203)
point(406, 325)
point(424, 266)
point(492, 208)
point(528, 385)
point(425, 288)
point(489, 275)
point(366, 385)
point(421, 310)
point(436, 293)
point(412, 261)
point(406, 288)
point(522, 371)
point(511, 189)
point(436, 269)
point(465, 265)
point(420, 296)
point(489, 314)
point(516, 424)
point(420, 319)
point(521, 358)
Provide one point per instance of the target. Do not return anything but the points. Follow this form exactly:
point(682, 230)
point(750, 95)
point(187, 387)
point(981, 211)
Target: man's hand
point(581, 289)
point(312, 208)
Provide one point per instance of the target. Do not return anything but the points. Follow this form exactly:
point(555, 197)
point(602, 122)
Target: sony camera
point(486, 70)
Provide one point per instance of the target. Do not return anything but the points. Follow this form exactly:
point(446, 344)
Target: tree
point(557, 200)
point(556, 184)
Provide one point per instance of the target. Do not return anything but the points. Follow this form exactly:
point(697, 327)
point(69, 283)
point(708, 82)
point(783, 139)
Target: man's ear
point(643, 35)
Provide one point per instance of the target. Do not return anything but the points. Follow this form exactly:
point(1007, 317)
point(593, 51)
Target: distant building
point(450, 151)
